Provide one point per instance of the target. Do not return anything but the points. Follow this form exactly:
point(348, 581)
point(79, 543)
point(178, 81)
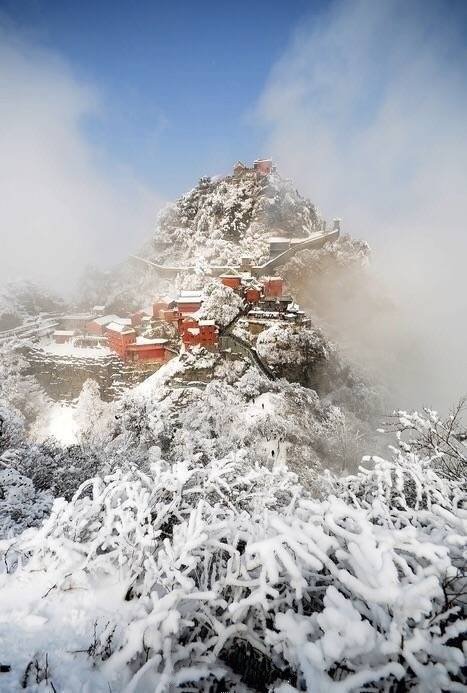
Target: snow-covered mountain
point(220, 220)
point(214, 528)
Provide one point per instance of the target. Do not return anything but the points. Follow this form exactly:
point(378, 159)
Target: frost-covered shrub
point(427, 433)
point(224, 572)
point(60, 471)
point(226, 416)
point(12, 426)
point(21, 505)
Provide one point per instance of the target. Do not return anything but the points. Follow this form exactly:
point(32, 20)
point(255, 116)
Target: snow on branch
point(188, 567)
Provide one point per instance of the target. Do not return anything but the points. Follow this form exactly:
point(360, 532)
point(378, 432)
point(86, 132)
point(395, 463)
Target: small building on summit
point(263, 166)
point(239, 168)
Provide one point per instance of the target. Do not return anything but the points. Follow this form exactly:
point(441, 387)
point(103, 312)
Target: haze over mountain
point(231, 458)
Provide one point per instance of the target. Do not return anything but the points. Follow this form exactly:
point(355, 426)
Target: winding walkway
point(239, 346)
point(229, 340)
point(317, 240)
point(33, 329)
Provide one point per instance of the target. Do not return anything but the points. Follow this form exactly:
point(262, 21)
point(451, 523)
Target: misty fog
point(63, 205)
point(367, 112)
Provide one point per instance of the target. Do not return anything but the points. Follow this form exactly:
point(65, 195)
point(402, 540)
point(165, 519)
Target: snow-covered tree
point(93, 418)
point(12, 426)
point(427, 433)
point(283, 344)
point(18, 387)
point(221, 304)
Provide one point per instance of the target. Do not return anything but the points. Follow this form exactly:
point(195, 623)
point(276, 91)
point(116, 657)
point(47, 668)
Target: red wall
point(207, 336)
point(147, 352)
point(118, 342)
point(263, 167)
point(274, 287)
point(95, 328)
point(233, 282)
point(172, 315)
point(188, 307)
point(252, 295)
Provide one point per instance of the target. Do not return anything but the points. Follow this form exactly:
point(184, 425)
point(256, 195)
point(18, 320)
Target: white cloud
point(367, 112)
point(61, 207)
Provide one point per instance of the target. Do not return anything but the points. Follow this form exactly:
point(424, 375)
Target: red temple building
point(273, 287)
point(137, 318)
point(172, 315)
point(252, 294)
point(187, 323)
point(98, 326)
point(189, 301)
point(204, 333)
point(263, 166)
point(239, 168)
point(119, 337)
point(161, 305)
point(148, 350)
point(231, 280)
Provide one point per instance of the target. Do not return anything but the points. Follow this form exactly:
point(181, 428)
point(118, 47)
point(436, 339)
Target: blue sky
point(177, 81)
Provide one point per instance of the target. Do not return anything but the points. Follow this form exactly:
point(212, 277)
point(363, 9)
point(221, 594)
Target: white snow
point(69, 349)
point(106, 319)
point(147, 340)
point(113, 593)
point(59, 425)
point(121, 327)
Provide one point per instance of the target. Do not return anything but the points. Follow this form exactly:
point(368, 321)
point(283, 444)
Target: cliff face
point(62, 378)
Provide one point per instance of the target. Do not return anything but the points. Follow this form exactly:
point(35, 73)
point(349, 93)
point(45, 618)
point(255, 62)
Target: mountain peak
point(222, 219)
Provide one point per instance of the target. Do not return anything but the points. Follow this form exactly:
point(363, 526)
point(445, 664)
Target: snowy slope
point(221, 220)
